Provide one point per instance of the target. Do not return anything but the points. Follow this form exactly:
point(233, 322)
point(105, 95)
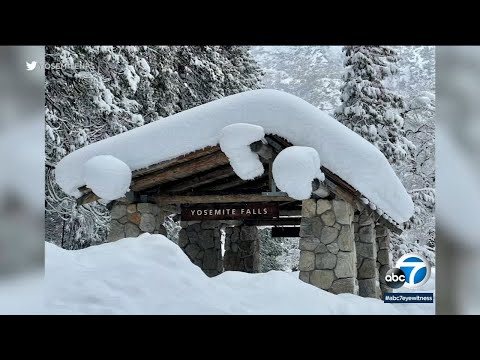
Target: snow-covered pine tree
point(99, 91)
point(418, 176)
point(271, 251)
point(370, 109)
point(278, 253)
point(415, 82)
point(312, 73)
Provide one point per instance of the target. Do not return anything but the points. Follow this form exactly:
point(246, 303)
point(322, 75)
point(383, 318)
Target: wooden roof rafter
point(208, 172)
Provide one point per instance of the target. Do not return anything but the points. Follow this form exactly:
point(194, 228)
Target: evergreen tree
point(94, 92)
point(278, 253)
point(271, 251)
point(418, 173)
point(370, 109)
point(415, 83)
point(312, 73)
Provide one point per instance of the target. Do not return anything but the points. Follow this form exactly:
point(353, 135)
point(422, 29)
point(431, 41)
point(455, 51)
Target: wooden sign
point(229, 211)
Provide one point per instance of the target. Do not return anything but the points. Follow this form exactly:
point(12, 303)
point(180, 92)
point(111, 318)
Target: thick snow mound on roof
point(295, 168)
point(342, 151)
point(235, 142)
point(107, 176)
point(151, 275)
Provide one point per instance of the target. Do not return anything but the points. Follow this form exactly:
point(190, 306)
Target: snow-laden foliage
point(400, 247)
point(173, 228)
point(271, 251)
point(418, 173)
point(101, 91)
point(310, 72)
point(415, 82)
point(401, 125)
point(278, 253)
point(368, 107)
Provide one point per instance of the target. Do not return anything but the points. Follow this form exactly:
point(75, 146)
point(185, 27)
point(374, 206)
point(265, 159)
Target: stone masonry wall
point(242, 249)
point(201, 241)
point(327, 248)
point(383, 255)
point(366, 246)
point(131, 220)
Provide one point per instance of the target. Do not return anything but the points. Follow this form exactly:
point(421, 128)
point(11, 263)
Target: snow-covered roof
point(342, 151)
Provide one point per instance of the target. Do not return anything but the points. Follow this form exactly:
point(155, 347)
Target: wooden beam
point(282, 141)
point(343, 194)
point(279, 222)
point(274, 144)
point(196, 181)
point(257, 183)
point(263, 150)
point(165, 164)
point(210, 199)
point(339, 181)
point(292, 205)
point(178, 160)
point(390, 226)
point(290, 212)
point(84, 189)
point(234, 182)
point(87, 198)
point(180, 171)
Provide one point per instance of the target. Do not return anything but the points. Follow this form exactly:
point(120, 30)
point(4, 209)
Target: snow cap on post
point(235, 142)
point(295, 168)
point(108, 177)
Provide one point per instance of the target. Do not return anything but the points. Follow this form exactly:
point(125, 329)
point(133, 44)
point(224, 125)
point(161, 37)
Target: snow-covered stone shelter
point(258, 158)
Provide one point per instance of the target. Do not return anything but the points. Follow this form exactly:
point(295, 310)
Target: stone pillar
point(383, 256)
point(131, 220)
point(201, 242)
point(366, 246)
point(327, 248)
point(242, 249)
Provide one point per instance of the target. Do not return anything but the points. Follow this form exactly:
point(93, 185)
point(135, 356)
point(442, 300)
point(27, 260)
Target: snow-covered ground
point(151, 275)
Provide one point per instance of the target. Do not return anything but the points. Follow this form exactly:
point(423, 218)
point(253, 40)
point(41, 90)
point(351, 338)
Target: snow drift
point(152, 275)
point(341, 150)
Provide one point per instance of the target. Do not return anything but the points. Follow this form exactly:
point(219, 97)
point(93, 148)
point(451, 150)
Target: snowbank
point(342, 151)
point(107, 176)
point(235, 142)
point(295, 168)
point(151, 275)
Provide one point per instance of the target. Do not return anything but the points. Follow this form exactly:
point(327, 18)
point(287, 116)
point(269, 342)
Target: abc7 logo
point(395, 278)
point(411, 270)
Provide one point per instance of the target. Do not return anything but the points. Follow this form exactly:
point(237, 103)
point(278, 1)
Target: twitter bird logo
point(31, 66)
